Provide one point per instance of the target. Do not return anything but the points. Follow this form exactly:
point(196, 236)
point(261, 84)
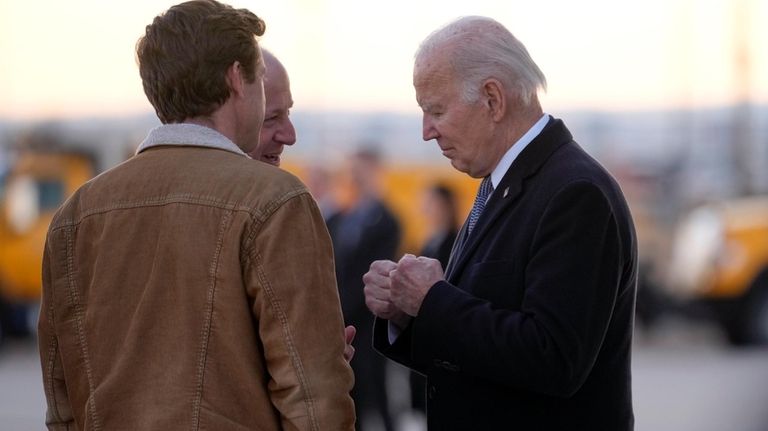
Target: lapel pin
point(506, 192)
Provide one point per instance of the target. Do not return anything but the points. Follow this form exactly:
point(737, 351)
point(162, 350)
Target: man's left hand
point(411, 281)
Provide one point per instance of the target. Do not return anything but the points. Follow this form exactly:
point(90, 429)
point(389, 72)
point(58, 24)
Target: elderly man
point(192, 287)
point(530, 325)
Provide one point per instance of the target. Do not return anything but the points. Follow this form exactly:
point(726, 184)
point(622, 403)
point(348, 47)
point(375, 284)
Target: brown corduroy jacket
point(192, 288)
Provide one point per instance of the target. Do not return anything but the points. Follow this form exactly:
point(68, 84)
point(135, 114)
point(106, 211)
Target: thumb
point(349, 334)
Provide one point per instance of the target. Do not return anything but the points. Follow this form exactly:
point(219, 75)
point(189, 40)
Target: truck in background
point(34, 187)
point(719, 261)
point(40, 168)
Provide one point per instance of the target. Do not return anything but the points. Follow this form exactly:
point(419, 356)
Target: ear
point(495, 98)
point(235, 79)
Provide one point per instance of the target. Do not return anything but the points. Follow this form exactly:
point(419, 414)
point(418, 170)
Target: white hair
point(481, 48)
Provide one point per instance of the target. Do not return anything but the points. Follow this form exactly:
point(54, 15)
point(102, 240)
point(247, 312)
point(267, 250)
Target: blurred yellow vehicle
point(32, 190)
point(720, 258)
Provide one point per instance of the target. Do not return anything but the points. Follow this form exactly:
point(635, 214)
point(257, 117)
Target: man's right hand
point(349, 336)
point(377, 293)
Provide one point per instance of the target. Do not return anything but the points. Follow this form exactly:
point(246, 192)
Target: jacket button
point(432, 392)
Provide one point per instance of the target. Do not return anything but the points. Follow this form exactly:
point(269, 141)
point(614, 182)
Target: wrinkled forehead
point(433, 60)
point(429, 66)
point(431, 71)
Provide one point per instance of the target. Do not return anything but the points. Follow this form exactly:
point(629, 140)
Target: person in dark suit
point(440, 211)
point(364, 231)
point(530, 325)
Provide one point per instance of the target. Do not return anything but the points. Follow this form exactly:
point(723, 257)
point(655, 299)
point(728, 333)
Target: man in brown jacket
point(192, 287)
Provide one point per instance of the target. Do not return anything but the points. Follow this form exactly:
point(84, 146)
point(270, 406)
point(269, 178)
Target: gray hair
point(482, 48)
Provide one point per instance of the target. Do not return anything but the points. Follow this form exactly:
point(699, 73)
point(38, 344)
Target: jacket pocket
point(496, 281)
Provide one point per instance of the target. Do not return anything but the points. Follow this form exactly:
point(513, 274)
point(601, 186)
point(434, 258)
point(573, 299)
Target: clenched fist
point(378, 293)
point(410, 281)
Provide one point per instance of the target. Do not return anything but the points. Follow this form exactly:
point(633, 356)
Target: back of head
point(480, 48)
point(184, 55)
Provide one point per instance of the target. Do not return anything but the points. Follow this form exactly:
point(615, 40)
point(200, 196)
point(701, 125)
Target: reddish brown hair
point(185, 53)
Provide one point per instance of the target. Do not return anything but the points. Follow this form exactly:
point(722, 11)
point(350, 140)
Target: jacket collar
point(186, 134)
point(554, 135)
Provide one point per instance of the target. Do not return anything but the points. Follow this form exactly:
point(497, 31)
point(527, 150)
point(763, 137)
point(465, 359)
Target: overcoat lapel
point(528, 162)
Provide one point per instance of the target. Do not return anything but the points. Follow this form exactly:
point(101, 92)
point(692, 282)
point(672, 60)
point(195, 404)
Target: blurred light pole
point(742, 148)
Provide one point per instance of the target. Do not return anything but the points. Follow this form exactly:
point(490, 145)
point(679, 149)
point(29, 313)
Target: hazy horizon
point(76, 58)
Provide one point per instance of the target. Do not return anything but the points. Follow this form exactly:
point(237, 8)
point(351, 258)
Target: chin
point(460, 167)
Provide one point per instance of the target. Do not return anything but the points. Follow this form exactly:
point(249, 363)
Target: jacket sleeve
point(59, 415)
point(549, 345)
point(290, 274)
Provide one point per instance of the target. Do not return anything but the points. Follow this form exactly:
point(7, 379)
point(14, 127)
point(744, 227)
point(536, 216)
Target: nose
point(428, 130)
point(287, 133)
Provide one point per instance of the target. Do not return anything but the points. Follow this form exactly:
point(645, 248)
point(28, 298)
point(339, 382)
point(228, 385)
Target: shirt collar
point(186, 134)
point(509, 157)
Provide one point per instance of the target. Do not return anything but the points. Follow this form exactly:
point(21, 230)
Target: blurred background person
point(440, 212)
point(365, 230)
point(321, 183)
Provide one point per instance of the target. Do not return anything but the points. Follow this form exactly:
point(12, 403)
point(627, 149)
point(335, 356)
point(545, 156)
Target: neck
point(521, 121)
point(202, 121)
point(512, 126)
point(218, 121)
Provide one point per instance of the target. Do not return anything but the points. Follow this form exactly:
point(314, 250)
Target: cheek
point(268, 134)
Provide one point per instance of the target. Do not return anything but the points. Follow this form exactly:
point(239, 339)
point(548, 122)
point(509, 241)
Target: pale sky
point(76, 57)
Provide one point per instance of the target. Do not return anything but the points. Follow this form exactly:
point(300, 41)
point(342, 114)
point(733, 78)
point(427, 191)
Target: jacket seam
point(277, 307)
point(74, 301)
point(49, 369)
point(269, 209)
point(156, 202)
point(50, 366)
point(208, 323)
point(288, 337)
point(279, 312)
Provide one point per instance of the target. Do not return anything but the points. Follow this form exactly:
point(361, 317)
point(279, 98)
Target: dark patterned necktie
point(486, 187)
